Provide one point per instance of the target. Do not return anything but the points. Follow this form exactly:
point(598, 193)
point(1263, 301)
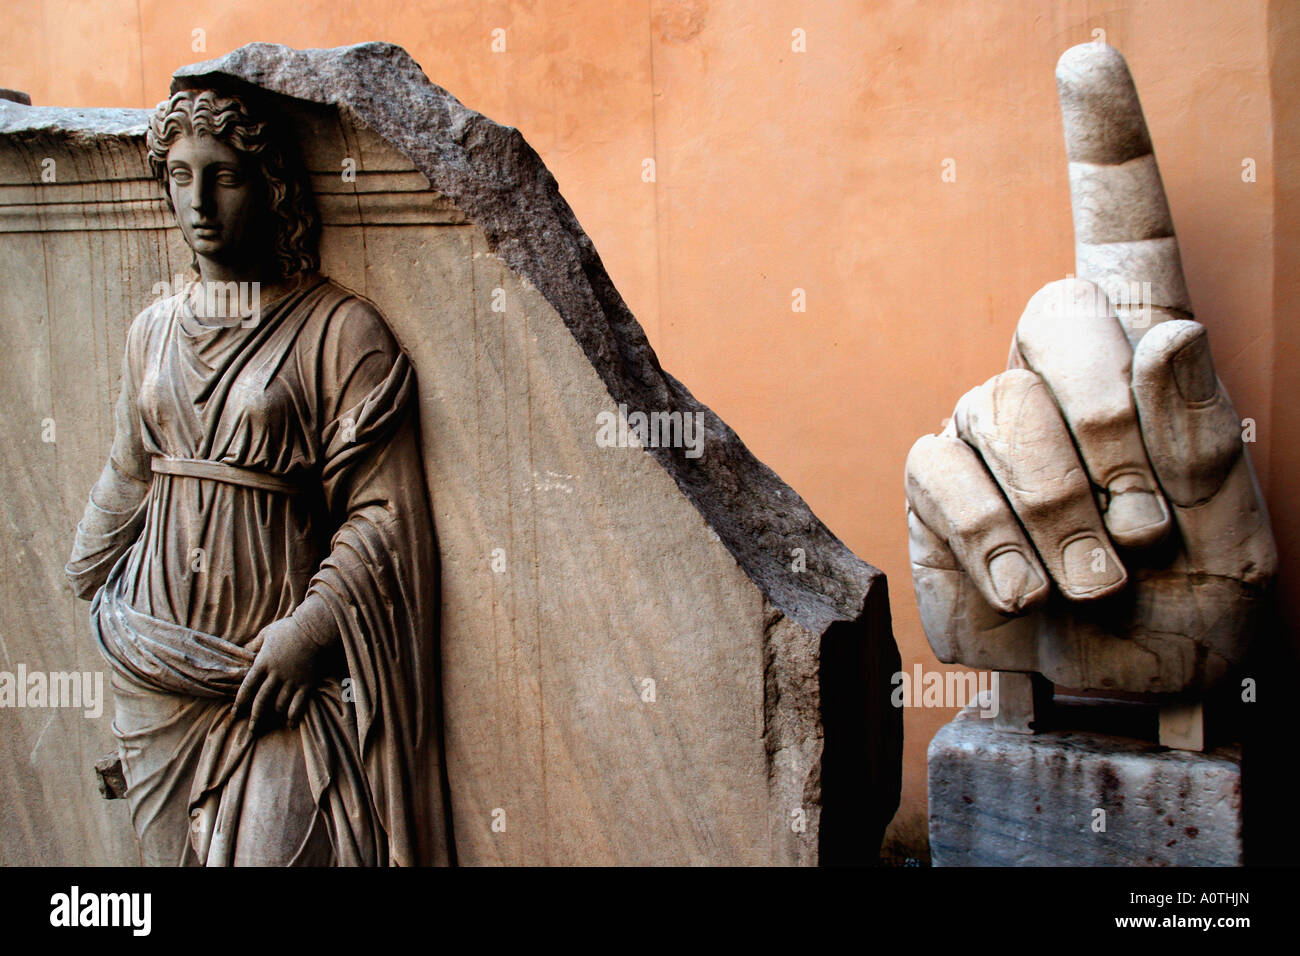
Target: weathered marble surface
point(769, 738)
point(1000, 799)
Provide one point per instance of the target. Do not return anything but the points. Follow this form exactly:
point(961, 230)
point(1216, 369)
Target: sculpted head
point(237, 198)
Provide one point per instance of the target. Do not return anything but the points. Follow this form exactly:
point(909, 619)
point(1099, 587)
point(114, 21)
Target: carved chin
point(211, 246)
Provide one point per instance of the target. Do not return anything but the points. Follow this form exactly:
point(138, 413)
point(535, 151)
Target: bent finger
point(298, 706)
point(1015, 426)
point(959, 623)
point(1195, 440)
point(248, 688)
point(952, 493)
point(264, 703)
point(283, 699)
point(1070, 336)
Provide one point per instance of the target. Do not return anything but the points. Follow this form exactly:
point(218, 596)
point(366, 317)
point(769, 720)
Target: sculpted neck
point(213, 270)
point(227, 293)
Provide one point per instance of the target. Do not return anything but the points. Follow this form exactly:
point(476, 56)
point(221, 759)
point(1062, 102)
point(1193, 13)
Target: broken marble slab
point(650, 656)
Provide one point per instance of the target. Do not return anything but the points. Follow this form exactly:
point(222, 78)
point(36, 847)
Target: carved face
point(215, 198)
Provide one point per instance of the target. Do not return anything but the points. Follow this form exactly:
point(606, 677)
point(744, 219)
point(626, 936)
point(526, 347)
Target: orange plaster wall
point(820, 170)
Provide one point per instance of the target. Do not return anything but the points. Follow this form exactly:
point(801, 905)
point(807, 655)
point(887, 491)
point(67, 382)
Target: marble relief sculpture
point(627, 654)
point(1091, 514)
point(259, 545)
point(369, 584)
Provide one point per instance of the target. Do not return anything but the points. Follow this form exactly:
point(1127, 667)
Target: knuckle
point(1053, 502)
point(1106, 423)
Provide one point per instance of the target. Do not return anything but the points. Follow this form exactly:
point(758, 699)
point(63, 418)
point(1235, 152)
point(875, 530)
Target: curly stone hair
point(288, 194)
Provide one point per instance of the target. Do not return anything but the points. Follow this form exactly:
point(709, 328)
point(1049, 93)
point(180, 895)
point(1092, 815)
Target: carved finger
point(1015, 426)
point(283, 699)
point(265, 701)
point(1123, 232)
point(1194, 438)
point(959, 623)
point(248, 688)
point(1070, 336)
point(298, 706)
point(952, 493)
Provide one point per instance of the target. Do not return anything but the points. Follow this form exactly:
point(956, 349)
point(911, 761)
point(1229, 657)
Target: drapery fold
point(318, 394)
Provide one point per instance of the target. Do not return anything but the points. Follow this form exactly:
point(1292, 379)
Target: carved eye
point(181, 176)
point(229, 177)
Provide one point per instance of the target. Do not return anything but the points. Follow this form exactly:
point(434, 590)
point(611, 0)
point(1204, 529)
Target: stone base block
point(1079, 799)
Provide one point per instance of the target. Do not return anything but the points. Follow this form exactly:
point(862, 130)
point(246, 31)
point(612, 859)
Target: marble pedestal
point(1069, 798)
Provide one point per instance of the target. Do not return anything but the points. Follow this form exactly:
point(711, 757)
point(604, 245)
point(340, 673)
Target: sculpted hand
point(1091, 513)
point(281, 679)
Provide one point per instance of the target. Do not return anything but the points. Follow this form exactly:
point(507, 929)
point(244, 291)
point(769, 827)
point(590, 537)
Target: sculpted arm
point(371, 465)
point(115, 511)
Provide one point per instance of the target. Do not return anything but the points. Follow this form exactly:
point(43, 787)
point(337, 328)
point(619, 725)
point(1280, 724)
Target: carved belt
point(219, 471)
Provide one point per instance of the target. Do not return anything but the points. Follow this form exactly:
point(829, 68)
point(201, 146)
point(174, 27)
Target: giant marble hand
point(1091, 514)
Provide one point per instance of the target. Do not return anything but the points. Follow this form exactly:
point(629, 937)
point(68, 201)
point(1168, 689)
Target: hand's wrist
point(316, 622)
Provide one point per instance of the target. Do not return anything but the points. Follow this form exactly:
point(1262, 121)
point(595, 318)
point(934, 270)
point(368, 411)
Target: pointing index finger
point(1123, 232)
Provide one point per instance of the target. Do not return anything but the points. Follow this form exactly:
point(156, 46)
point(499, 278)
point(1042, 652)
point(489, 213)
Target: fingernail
point(1014, 578)
point(1091, 568)
point(1136, 516)
point(1194, 370)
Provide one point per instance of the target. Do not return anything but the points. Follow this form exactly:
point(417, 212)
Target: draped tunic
point(259, 472)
